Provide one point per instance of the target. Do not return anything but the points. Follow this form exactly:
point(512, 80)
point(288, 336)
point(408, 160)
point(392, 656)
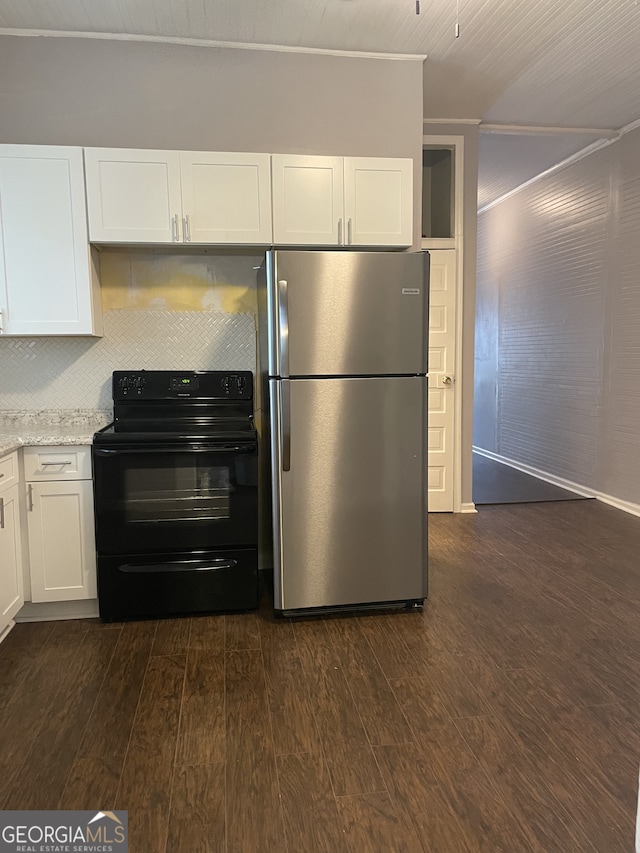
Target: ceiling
point(571, 65)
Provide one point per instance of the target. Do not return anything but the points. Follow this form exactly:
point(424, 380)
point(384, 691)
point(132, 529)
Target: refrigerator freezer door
point(350, 514)
point(347, 313)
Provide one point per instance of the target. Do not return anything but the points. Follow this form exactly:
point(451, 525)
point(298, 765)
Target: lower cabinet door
point(61, 540)
point(11, 594)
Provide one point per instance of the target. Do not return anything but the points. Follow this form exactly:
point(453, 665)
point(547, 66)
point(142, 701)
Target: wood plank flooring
point(504, 717)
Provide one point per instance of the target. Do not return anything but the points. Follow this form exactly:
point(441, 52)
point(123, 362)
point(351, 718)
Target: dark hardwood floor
point(504, 718)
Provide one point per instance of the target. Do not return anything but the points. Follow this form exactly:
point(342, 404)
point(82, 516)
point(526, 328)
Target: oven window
point(186, 491)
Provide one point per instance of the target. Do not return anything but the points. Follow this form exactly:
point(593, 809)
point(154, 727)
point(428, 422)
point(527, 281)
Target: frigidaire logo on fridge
point(64, 832)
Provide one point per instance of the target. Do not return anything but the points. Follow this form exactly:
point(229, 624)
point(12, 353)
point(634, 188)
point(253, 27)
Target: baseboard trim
point(626, 506)
point(52, 611)
point(536, 472)
point(7, 630)
point(468, 507)
point(618, 503)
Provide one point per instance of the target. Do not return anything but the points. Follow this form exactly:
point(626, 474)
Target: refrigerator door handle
point(285, 425)
point(283, 321)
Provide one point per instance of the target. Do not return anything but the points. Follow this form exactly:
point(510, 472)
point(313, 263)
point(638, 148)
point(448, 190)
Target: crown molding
point(532, 130)
point(193, 42)
point(472, 121)
point(634, 125)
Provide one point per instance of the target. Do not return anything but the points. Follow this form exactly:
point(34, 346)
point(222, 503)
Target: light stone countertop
point(31, 429)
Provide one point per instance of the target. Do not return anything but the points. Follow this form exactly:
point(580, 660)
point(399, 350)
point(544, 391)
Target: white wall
point(619, 457)
point(144, 95)
point(559, 319)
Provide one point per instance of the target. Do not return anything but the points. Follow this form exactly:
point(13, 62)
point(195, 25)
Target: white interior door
point(442, 374)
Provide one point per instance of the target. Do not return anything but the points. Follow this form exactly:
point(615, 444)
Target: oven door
point(174, 498)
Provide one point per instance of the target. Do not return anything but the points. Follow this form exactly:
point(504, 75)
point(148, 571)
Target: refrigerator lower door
point(349, 493)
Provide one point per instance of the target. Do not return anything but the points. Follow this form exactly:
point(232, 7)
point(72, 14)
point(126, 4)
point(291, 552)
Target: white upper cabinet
point(139, 196)
point(48, 284)
point(308, 200)
point(342, 201)
point(378, 201)
point(133, 196)
point(226, 198)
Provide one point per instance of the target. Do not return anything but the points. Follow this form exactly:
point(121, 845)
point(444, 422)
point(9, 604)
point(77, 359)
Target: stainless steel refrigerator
point(346, 357)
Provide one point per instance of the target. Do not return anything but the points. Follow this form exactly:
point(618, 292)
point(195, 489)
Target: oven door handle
point(186, 566)
point(177, 448)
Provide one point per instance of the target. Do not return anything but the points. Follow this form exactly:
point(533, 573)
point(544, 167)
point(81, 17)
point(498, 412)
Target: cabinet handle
point(1, 322)
point(174, 228)
point(186, 229)
point(340, 231)
point(1, 476)
point(349, 230)
point(30, 497)
point(63, 462)
point(1, 513)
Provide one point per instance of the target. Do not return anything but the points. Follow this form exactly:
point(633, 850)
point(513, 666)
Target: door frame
point(456, 242)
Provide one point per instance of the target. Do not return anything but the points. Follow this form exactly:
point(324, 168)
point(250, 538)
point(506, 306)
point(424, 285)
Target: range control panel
point(182, 384)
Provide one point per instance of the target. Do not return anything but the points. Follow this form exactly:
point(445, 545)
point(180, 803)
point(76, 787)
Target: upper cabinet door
point(308, 206)
point(378, 201)
point(47, 281)
point(133, 195)
point(226, 198)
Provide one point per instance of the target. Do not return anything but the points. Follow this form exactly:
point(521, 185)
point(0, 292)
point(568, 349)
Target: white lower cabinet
point(11, 592)
point(60, 523)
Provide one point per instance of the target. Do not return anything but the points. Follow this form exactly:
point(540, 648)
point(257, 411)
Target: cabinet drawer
point(57, 463)
point(8, 471)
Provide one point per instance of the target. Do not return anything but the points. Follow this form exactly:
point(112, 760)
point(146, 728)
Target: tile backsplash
point(161, 311)
point(75, 373)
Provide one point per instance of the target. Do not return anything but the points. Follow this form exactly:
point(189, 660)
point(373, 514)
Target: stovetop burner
point(166, 405)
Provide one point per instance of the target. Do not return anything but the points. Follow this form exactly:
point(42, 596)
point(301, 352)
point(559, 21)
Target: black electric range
point(176, 497)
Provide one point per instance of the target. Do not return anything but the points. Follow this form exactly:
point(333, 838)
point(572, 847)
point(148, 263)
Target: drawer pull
point(1, 513)
point(65, 462)
point(1, 476)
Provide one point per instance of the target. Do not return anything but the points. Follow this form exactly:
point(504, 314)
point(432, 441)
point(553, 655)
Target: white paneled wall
point(485, 376)
point(620, 446)
point(559, 317)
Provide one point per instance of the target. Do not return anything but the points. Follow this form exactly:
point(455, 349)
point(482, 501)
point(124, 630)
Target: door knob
point(447, 380)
